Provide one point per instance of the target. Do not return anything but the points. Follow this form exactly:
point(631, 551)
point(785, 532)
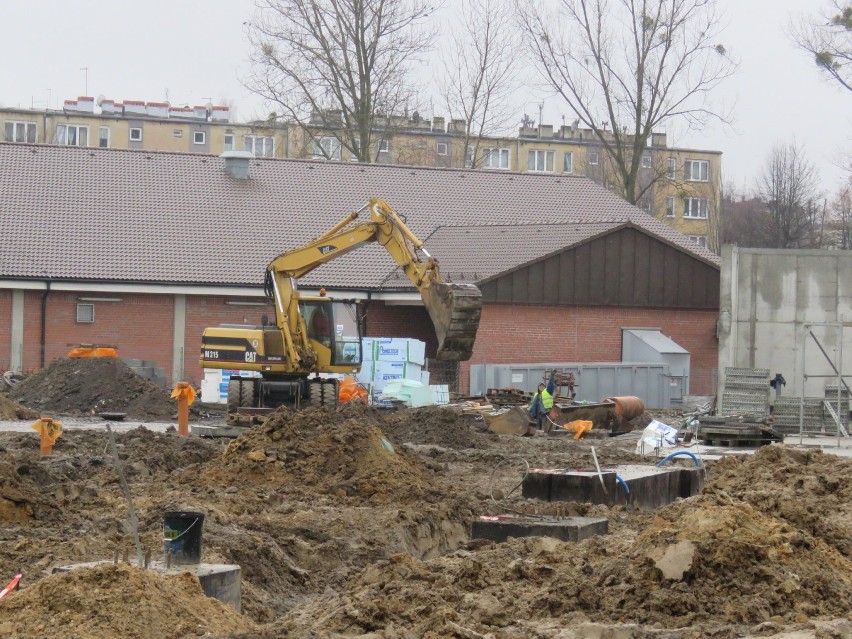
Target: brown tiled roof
point(114, 215)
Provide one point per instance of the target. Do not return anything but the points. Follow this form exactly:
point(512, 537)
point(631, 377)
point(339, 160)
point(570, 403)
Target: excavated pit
point(358, 521)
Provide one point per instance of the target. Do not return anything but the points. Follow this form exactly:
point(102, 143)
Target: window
point(326, 148)
point(670, 206)
point(568, 163)
point(261, 146)
point(646, 161)
point(495, 158)
point(594, 158)
point(177, 133)
point(20, 132)
point(696, 170)
point(671, 167)
point(701, 240)
point(442, 148)
point(695, 207)
point(103, 137)
point(646, 206)
point(229, 141)
point(135, 135)
point(199, 137)
point(72, 135)
point(540, 161)
point(85, 313)
point(384, 146)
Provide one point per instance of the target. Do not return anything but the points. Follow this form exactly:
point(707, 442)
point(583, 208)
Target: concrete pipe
point(628, 406)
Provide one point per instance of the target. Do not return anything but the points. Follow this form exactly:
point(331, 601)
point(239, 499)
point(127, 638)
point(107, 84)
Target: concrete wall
point(769, 297)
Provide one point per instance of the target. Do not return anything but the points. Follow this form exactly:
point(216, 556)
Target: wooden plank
point(642, 270)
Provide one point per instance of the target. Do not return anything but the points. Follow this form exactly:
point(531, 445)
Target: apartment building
point(680, 186)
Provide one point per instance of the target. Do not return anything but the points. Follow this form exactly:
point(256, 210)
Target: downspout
point(44, 323)
point(366, 312)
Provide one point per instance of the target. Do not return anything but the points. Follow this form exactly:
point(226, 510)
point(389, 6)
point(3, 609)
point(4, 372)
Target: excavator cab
point(333, 328)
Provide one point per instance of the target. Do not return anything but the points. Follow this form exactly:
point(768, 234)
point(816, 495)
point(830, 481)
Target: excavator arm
point(454, 308)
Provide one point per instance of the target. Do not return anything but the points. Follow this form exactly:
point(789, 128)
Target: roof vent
point(237, 163)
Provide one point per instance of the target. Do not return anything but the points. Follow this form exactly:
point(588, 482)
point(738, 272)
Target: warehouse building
point(142, 250)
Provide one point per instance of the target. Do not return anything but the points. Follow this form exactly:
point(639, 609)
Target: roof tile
point(117, 215)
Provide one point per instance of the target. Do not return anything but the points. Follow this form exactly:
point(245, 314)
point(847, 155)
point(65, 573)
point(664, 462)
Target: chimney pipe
point(237, 163)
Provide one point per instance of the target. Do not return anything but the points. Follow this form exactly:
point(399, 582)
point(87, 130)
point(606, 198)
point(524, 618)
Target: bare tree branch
point(789, 188)
point(630, 64)
point(339, 65)
point(479, 73)
point(828, 39)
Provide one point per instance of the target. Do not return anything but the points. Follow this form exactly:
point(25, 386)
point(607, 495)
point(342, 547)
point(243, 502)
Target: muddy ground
point(356, 523)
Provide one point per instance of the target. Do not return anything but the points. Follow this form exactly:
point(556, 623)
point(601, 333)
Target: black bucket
point(182, 536)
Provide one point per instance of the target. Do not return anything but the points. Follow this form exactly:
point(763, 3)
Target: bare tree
point(842, 209)
point(479, 73)
point(828, 38)
point(341, 66)
point(745, 221)
point(789, 188)
point(632, 65)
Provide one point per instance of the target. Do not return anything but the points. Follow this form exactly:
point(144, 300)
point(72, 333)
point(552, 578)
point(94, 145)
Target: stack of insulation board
point(390, 358)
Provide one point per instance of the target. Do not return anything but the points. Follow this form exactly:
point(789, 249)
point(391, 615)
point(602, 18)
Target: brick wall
point(401, 321)
point(5, 329)
point(140, 326)
point(203, 312)
point(527, 334)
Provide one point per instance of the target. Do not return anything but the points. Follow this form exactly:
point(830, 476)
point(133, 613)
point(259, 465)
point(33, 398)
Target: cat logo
point(327, 248)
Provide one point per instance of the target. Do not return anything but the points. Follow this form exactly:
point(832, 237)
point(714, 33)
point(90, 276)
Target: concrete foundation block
point(499, 529)
point(650, 486)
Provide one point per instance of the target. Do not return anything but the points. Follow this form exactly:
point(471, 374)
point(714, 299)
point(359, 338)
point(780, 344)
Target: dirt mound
point(806, 488)
point(682, 570)
point(88, 386)
point(116, 601)
point(432, 425)
point(734, 558)
point(341, 453)
point(10, 410)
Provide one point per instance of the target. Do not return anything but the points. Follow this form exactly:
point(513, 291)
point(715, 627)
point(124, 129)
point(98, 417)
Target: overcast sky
point(192, 51)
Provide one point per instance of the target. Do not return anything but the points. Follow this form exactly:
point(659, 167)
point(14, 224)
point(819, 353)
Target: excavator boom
point(454, 309)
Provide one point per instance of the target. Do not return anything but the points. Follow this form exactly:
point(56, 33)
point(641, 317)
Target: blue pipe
point(675, 454)
point(623, 484)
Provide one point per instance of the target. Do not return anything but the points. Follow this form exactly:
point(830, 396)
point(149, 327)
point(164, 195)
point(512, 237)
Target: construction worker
point(542, 401)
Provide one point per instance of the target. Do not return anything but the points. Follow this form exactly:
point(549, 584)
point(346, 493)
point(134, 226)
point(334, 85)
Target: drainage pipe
point(676, 454)
point(44, 323)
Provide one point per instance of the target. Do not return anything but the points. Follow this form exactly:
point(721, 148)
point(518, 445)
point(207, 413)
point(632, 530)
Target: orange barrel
point(628, 406)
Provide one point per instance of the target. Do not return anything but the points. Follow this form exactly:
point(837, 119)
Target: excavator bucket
point(455, 311)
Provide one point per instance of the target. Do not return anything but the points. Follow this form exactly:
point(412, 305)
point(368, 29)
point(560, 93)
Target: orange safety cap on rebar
point(49, 430)
point(185, 394)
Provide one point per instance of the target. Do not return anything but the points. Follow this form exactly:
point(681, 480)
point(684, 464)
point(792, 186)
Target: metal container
point(628, 406)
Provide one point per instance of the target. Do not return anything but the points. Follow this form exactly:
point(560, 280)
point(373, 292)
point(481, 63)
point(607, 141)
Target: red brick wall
point(5, 329)
point(528, 334)
point(203, 312)
point(140, 326)
point(401, 321)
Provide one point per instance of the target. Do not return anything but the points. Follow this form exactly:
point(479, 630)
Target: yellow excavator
point(315, 335)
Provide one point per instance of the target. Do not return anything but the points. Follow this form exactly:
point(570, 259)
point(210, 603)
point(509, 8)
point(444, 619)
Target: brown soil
point(12, 410)
point(89, 386)
point(129, 603)
point(357, 521)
